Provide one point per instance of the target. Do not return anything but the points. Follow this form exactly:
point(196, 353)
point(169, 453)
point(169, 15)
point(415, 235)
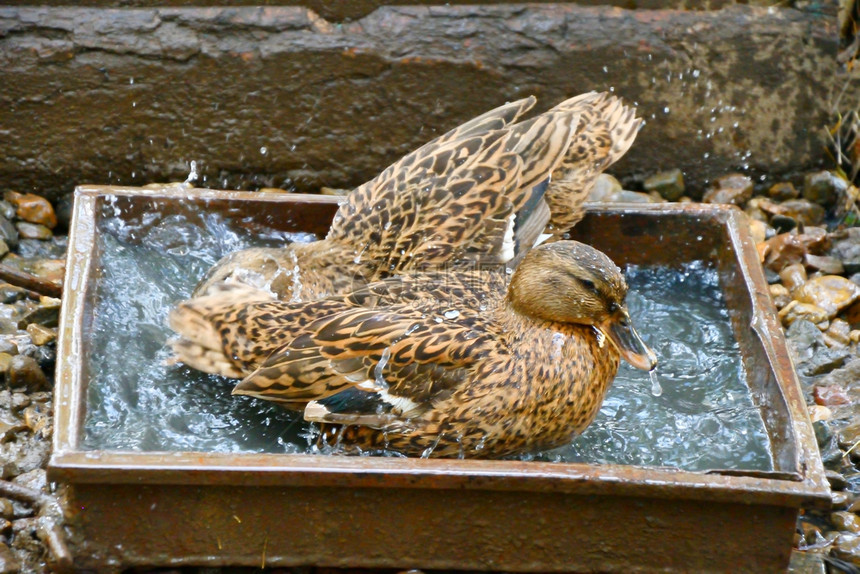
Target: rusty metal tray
point(202, 508)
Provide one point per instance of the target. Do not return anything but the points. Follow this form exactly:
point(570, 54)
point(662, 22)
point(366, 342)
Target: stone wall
point(280, 96)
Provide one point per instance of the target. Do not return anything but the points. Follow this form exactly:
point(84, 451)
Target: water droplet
point(264, 150)
point(452, 314)
point(656, 389)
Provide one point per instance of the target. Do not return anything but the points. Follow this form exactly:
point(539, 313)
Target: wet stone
point(43, 316)
point(826, 361)
point(63, 210)
point(7, 210)
point(840, 500)
point(818, 413)
point(829, 292)
point(836, 480)
point(8, 232)
point(8, 563)
point(798, 210)
point(823, 187)
point(669, 184)
point(9, 426)
point(780, 295)
point(830, 395)
point(849, 435)
point(783, 223)
point(806, 311)
point(41, 335)
point(25, 372)
point(823, 434)
point(825, 264)
point(793, 276)
point(604, 186)
point(733, 188)
point(625, 196)
point(32, 208)
point(838, 333)
point(804, 339)
point(8, 346)
point(29, 230)
point(19, 401)
point(6, 510)
point(782, 191)
point(846, 377)
point(847, 548)
point(782, 250)
point(758, 230)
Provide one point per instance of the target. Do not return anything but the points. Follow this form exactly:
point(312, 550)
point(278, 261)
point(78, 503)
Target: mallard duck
point(473, 195)
point(453, 364)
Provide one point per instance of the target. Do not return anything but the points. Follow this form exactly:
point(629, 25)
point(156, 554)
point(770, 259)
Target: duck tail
point(199, 344)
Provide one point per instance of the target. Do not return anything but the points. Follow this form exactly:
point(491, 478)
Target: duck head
point(570, 282)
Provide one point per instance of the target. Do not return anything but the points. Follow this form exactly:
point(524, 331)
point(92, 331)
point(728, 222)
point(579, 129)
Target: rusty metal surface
point(216, 508)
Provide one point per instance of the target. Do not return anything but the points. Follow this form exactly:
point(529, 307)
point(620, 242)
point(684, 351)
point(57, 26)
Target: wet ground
point(807, 240)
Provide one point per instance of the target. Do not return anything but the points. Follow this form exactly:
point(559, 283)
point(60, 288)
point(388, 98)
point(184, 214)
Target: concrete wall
point(281, 96)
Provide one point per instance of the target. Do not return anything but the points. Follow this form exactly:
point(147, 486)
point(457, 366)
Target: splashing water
point(703, 419)
point(656, 389)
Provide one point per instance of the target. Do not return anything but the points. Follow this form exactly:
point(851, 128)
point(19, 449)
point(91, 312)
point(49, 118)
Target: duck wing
point(606, 130)
point(474, 182)
point(381, 364)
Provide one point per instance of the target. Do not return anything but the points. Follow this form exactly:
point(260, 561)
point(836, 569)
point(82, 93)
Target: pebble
point(7, 210)
point(8, 563)
point(847, 521)
point(36, 418)
point(782, 250)
point(823, 187)
point(32, 208)
point(830, 395)
point(8, 346)
point(799, 210)
point(796, 310)
point(734, 188)
point(45, 316)
point(793, 276)
point(826, 361)
point(758, 230)
point(829, 292)
point(5, 363)
point(847, 548)
point(840, 500)
point(8, 232)
point(783, 190)
point(819, 413)
point(19, 401)
point(838, 333)
point(625, 196)
point(783, 223)
point(29, 230)
point(849, 436)
point(669, 184)
point(824, 263)
point(41, 335)
point(604, 186)
point(780, 295)
point(836, 480)
point(24, 371)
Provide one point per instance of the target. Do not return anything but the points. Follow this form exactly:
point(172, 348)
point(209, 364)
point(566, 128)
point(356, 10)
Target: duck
point(479, 195)
point(476, 364)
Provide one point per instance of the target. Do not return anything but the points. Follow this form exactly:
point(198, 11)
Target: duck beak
point(619, 329)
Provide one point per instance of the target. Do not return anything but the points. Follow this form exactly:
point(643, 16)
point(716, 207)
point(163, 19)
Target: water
point(702, 419)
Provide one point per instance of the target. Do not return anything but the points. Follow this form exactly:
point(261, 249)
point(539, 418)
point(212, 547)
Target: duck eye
point(613, 307)
point(588, 284)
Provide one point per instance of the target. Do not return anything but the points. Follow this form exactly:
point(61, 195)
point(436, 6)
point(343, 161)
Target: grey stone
point(8, 563)
point(8, 233)
point(669, 184)
point(823, 187)
point(825, 361)
point(804, 340)
point(25, 372)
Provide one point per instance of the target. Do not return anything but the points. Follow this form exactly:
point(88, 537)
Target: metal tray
point(198, 508)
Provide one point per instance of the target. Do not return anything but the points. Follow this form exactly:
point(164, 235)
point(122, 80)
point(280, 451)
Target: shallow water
point(703, 418)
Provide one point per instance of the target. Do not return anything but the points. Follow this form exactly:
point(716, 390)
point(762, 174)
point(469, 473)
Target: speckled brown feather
point(471, 178)
point(461, 366)
point(607, 129)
